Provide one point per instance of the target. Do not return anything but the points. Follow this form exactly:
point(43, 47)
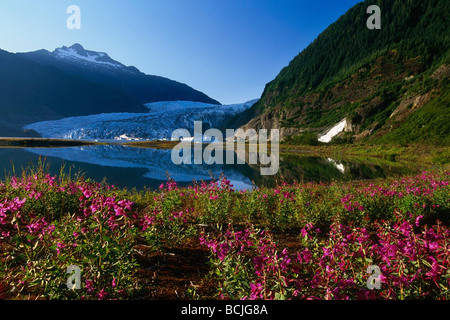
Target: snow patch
point(71, 53)
point(330, 134)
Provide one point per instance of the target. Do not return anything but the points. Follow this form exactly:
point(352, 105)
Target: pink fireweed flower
point(256, 290)
point(119, 211)
point(126, 204)
point(89, 285)
point(304, 232)
point(433, 246)
point(418, 220)
point(94, 208)
point(405, 228)
point(435, 271)
point(49, 230)
point(177, 214)
point(35, 195)
point(171, 185)
point(17, 204)
point(36, 226)
point(14, 183)
point(86, 192)
point(305, 256)
point(59, 246)
point(223, 250)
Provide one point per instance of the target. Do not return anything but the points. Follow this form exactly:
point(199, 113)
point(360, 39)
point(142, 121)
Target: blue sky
point(228, 49)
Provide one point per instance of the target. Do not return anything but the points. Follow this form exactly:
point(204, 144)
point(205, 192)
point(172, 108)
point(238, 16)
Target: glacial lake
point(140, 168)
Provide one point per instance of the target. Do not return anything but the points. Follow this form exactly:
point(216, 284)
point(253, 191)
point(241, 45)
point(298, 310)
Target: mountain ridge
point(36, 87)
point(100, 67)
point(32, 92)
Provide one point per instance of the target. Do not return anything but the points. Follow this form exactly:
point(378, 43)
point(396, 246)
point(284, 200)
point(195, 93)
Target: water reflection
point(143, 167)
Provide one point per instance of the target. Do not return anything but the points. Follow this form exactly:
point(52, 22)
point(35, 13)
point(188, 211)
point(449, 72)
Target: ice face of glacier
point(158, 124)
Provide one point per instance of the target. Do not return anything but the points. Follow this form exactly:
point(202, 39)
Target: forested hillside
point(389, 83)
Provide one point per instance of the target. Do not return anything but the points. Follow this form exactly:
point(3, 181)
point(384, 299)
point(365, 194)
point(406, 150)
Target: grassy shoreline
point(424, 154)
point(43, 143)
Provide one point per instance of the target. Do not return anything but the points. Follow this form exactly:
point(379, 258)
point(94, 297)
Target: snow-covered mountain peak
point(77, 53)
point(79, 49)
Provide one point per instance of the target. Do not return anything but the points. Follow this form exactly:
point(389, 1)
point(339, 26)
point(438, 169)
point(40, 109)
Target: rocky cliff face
point(375, 100)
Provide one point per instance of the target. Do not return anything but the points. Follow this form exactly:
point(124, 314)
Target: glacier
point(158, 124)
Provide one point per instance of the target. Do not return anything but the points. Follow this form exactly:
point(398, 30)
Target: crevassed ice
point(158, 124)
